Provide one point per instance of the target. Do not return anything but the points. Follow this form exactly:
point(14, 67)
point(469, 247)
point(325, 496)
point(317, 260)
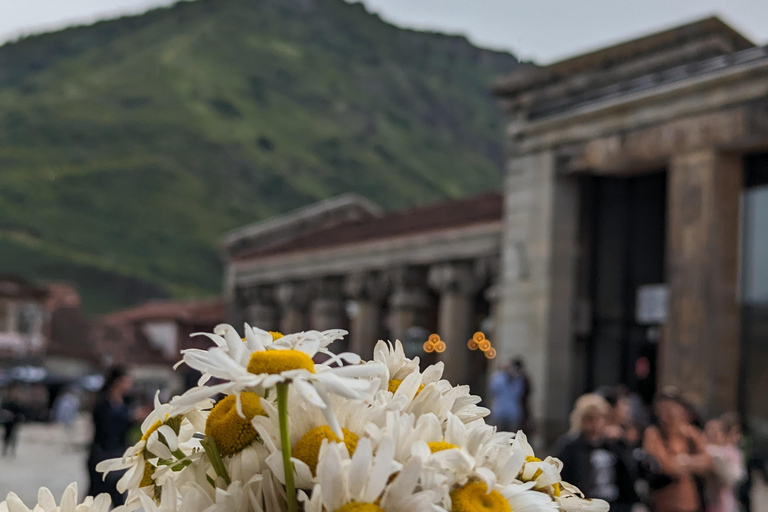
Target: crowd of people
point(659, 458)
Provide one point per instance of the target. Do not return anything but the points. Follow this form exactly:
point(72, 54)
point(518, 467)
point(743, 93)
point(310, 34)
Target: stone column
point(409, 302)
point(492, 294)
point(293, 299)
point(539, 249)
point(368, 290)
point(699, 351)
point(260, 309)
point(457, 287)
point(327, 310)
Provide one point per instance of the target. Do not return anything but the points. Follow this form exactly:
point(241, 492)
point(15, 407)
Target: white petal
point(308, 392)
point(358, 470)
point(329, 473)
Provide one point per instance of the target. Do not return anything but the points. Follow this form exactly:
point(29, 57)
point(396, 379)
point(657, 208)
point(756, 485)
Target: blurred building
point(23, 338)
point(147, 338)
point(636, 220)
point(626, 247)
point(342, 263)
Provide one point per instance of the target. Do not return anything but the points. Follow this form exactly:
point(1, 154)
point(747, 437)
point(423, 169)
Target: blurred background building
point(625, 247)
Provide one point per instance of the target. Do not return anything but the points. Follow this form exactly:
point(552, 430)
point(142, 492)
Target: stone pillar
point(293, 299)
point(457, 286)
point(327, 310)
point(699, 352)
point(368, 290)
point(409, 302)
point(492, 294)
point(539, 249)
point(260, 309)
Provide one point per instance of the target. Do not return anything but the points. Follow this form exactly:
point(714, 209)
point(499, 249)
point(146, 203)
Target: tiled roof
point(198, 312)
point(458, 213)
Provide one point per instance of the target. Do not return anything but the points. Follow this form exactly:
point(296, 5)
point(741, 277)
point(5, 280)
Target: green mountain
point(128, 147)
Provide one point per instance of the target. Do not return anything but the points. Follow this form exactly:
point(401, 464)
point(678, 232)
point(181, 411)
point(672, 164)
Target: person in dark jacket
point(599, 466)
point(12, 414)
point(112, 419)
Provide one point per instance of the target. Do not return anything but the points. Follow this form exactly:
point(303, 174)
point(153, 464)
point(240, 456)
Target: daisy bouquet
point(271, 429)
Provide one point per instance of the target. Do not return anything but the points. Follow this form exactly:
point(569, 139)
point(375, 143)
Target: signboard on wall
point(652, 304)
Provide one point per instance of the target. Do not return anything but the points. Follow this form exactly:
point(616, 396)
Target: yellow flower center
point(156, 425)
point(474, 497)
point(438, 446)
point(279, 361)
point(231, 432)
point(360, 507)
point(537, 474)
point(149, 470)
point(276, 335)
point(307, 449)
point(556, 488)
point(394, 384)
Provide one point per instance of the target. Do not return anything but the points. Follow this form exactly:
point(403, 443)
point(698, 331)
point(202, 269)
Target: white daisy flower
point(407, 383)
point(164, 432)
point(261, 360)
point(544, 473)
point(191, 499)
point(571, 499)
point(47, 503)
point(309, 429)
point(362, 483)
point(465, 452)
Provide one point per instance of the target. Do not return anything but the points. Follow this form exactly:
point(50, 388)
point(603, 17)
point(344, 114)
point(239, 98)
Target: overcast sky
point(544, 30)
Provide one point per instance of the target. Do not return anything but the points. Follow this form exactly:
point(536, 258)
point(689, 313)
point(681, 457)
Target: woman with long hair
point(679, 448)
point(112, 420)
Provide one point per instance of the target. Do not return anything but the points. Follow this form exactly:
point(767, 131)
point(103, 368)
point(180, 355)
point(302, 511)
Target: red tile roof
point(481, 209)
point(198, 312)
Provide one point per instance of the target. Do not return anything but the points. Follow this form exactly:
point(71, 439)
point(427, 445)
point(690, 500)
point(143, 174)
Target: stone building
point(626, 247)
point(342, 263)
point(22, 321)
point(640, 164)
point(148, 338)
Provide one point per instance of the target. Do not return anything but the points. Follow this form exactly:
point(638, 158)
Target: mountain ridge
point(130, 146)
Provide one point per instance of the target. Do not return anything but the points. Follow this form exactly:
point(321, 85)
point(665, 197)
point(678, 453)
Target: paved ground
point(47, 455)
point(51, 456)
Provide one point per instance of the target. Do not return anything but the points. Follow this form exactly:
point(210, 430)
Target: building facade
point(23, 338)
point(635, 183)
point(626, 247)
point(343, 263)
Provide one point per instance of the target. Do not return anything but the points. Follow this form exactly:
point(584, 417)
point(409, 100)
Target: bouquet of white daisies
point(344, 435)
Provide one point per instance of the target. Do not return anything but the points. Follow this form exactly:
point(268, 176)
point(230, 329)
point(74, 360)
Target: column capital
point(407, 276)
point(455, 277)
point(264, 294)
point(409, 288)
point(326, 287)
point(292, 295)
point(372, 286)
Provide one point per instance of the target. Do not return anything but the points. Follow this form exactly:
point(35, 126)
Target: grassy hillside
point(128, 147)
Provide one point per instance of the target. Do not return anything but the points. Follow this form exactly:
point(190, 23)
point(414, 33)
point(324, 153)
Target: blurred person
point(509, 388)
point(112, 420)
point(619, 423)
point(727, 465)
point(526, 398)
point(12, 417)
point(65, 409)
point(679, 449)
point(600, 466)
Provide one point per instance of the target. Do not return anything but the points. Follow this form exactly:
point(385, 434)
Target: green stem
point(285, 441)
point(209, 445)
